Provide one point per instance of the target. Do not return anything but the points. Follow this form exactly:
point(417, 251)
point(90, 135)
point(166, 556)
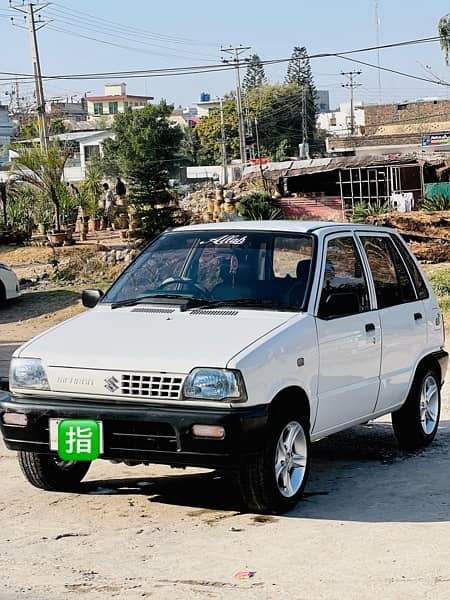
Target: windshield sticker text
point(228, 240)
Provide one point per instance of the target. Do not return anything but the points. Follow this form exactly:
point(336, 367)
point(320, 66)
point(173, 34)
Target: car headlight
point(214, 384)
point(28, 373)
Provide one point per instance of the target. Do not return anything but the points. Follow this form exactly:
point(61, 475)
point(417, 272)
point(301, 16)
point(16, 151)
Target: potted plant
point(91, 189)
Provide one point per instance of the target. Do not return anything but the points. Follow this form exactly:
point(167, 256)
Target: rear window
point(419, 283)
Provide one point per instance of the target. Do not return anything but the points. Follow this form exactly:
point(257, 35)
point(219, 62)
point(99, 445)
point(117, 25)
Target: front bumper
point(154, 434)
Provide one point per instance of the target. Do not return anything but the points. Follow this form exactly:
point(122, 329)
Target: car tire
point(48, 472)
point(2, 294)
point(273, 481)
point(416, 422)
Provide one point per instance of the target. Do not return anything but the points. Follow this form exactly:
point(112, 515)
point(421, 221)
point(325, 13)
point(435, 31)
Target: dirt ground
point(374, 522)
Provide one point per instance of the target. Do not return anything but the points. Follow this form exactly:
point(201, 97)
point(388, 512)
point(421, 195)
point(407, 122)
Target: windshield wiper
point(148, 297)
point(247, 302)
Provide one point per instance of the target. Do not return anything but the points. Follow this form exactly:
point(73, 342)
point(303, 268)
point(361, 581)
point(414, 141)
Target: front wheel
point(417, 421)
point(273, 481)
point(49, 472)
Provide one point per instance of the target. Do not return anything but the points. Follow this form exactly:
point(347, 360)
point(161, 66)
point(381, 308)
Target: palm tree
point(444, 34)
point(42, 170)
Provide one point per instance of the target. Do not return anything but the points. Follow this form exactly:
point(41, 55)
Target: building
point(323, 100)
point(421, 127)
point(205, 105)
point(59, 109)
point(184, 116)
point(326, 184)
point(115, 100)
point(6, 132)
point(82, 146)
point(338, 122)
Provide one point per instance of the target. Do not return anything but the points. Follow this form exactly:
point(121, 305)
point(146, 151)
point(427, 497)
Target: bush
point(258, 206)
point(440, 280)
point(436, 203)
point(362, 211)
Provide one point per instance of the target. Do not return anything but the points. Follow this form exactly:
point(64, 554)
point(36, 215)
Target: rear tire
point(416, 423)
point(2, 294)
point(273, 481)
point(48, 472)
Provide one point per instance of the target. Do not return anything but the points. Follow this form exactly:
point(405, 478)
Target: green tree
point(278, 109)
point(41, 170)
point(144, 150)
point(444, 35)
point(190, 147)
point(30, 129)
point(299, 74)
point(254, 76)
point(209, 134)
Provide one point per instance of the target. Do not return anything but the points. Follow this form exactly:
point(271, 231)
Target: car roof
point(285, 226)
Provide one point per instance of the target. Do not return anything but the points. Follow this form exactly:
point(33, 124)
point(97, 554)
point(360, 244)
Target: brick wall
point(412, 117)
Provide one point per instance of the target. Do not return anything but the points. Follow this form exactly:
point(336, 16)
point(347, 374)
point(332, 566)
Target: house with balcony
point(115, 100)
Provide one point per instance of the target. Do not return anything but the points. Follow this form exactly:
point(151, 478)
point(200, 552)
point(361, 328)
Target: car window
point(288, 253)
point(392, 282)
point(269, 267)
point(421, 288)
point(344, 288)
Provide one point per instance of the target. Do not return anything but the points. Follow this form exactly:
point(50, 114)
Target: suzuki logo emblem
point(112, 384)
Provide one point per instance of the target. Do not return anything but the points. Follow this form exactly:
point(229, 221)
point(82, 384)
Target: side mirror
point(89, 298)
point(340, 304)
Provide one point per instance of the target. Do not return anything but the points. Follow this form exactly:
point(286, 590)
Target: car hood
point(145, 338)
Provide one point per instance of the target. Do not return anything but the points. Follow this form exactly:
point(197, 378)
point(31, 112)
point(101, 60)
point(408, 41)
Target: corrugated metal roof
point(322, 165)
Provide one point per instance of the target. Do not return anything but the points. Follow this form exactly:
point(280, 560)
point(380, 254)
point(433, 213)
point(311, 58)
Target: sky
point(151, 34)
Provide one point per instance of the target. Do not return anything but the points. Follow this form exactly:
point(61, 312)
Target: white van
point(233, 346)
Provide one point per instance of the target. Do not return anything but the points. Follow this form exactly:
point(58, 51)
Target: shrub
point(436, 202)
point(440, 280)
point(362, 211)
point(258, 206)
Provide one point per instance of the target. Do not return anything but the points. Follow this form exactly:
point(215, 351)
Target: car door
point(349, 338)
point(402, 317)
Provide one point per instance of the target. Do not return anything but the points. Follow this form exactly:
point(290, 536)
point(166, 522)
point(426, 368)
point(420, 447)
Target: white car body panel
point(9, 280)
point(270, 364)
point(348, 374)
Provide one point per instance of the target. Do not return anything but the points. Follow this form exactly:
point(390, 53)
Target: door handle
point(418, 316)
point(370, 327)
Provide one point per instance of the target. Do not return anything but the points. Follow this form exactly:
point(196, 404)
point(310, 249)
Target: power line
point(30, 16)
point(396, 72)
point(171, 71)
point(235, 60)
point(136, 30)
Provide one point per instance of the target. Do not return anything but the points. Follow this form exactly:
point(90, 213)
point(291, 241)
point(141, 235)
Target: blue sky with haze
point(191, 33)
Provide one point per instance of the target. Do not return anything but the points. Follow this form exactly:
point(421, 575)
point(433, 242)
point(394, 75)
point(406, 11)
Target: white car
point(233, 346)
point(9, 285)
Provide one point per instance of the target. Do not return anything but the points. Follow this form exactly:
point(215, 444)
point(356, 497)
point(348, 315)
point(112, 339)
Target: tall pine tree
point(299, 74)
point(255, 76)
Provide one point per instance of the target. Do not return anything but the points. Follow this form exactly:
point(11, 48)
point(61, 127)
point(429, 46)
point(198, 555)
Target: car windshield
point(264, 269)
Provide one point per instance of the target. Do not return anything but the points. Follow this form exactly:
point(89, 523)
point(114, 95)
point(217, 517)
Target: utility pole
point(304, 154)
point(235, 54)
point(223, 142)
point(30, 11)
point(352, 85)
point(377, 29)
point(258, 150)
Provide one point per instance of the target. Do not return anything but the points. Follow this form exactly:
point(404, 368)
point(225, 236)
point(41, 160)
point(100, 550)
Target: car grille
point(159, 387)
